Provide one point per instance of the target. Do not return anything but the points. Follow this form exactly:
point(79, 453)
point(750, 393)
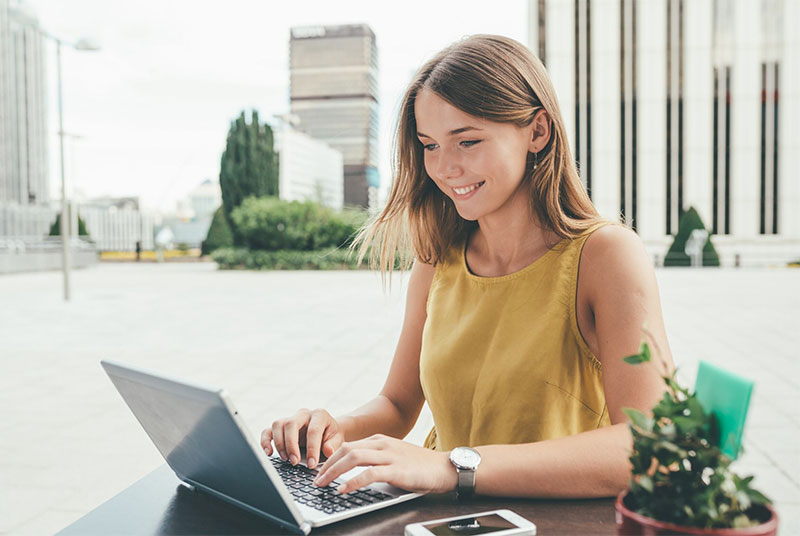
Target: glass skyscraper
point(334, 93)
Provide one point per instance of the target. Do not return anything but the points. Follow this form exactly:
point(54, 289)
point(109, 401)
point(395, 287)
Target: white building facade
point(671, 104)
point(117, 224)
point(25, 212)
point(309, 170)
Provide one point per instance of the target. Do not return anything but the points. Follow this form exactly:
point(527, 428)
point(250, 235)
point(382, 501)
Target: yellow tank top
point(502, 360)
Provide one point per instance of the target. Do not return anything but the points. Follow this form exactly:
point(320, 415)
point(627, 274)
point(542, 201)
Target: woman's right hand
point(316, 430)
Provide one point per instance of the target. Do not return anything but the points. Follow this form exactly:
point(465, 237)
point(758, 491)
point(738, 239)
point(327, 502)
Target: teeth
point(467, 189)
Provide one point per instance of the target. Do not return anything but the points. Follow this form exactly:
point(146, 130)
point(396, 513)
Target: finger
point(378, 473)
point(355, 458)
point(277, 439)
point(335, 451)
point(266, 441)
point(316, 430)
point(291, 434)
point(331, 442)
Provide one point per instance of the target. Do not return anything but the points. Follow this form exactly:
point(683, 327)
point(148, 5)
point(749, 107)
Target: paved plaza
point(278, 341)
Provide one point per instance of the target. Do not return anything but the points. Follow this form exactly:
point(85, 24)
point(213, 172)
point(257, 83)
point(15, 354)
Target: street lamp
point(81, 44)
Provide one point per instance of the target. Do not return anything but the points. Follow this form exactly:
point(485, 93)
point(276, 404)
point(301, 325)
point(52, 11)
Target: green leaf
point(634, 359)
point(644, 351)
point(639, 419)
point(642, 357)
point(758, 498)
point(646, 483)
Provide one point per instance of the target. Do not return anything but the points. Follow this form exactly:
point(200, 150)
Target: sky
point(148, 114)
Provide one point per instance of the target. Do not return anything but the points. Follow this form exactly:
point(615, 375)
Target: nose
point(447, 166)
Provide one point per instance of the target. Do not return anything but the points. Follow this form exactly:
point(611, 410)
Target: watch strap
point(466, 483)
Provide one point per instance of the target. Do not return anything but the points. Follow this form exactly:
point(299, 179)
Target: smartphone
point(495, 522)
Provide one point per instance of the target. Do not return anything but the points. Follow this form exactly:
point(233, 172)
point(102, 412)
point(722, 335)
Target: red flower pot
point(629, 523)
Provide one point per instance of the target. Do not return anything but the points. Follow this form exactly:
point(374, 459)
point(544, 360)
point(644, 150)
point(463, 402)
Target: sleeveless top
point(502, 360)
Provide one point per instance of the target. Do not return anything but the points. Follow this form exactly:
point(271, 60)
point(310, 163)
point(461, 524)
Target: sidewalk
point(278, 341)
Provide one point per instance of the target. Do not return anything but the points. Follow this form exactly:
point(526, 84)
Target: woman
point(521, 303)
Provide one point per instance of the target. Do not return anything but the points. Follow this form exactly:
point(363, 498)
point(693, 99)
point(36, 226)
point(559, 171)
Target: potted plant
point(682, 482)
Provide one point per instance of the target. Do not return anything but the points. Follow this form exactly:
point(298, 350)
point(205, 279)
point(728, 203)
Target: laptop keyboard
point(299, 480)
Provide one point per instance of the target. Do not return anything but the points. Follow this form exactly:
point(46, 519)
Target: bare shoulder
point(614, 258)
point(419, 283)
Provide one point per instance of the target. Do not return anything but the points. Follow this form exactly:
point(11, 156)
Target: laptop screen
point(197, 435)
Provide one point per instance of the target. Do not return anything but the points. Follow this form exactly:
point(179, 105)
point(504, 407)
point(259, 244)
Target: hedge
point(326, 259)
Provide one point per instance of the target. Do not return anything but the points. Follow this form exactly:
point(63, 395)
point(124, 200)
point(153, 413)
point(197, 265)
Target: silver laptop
point(205, 441)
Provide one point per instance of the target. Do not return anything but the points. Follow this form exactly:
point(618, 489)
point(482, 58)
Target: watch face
point(465, 457)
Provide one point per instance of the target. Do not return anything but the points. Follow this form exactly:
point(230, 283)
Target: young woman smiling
point(521, 304)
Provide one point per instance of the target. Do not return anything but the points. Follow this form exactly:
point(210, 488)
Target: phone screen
point(470, 525)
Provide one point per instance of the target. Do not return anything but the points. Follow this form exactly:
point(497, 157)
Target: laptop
point(206, 443)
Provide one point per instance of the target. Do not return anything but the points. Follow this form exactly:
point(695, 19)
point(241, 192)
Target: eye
point(430, 146)
point(470, 143)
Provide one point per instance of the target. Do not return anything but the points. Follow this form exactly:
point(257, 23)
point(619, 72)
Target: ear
point(540, 131)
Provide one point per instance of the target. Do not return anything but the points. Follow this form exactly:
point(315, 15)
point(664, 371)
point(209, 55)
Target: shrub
point(219, 233)
point(55, 228)
point(267, 223)
point(242, 258)
point(676, 256)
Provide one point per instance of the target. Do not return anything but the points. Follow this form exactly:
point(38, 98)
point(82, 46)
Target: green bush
point(267, 223)
point(55, 229)
point(242, 258)
point(676, 256)
point(219, 233)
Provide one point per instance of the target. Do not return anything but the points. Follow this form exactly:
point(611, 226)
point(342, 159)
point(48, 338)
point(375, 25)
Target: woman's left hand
point(390, 460)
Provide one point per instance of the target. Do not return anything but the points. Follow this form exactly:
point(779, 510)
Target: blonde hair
point(497, 79)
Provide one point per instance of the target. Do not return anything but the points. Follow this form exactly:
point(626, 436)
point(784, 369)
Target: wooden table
point(158, 504)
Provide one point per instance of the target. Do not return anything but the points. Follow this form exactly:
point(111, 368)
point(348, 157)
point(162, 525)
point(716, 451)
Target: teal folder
point(726, 396)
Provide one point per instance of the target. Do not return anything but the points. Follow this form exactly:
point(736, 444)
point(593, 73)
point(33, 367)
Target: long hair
point(497, 79)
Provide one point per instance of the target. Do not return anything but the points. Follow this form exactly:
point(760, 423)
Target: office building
point(310, 170)
point(334, 93)
point(25, 214)
point(6, 105)
point(671, 104)
point(188, 224)
point(117, 223)
point(25, 173)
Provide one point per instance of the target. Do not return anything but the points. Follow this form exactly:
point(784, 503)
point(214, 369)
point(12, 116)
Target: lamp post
point(82, 44)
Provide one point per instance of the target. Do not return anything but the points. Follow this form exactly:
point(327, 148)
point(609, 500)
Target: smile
point(467, 189)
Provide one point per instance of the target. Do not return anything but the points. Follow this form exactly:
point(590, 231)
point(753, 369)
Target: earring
point(535, 161)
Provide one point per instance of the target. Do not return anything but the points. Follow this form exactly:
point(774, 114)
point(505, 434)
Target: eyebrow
point(452, 132)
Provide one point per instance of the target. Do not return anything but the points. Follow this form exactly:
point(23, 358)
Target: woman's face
point(479, 164)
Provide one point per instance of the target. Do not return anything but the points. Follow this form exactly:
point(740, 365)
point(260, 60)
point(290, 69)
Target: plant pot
point(630, 523)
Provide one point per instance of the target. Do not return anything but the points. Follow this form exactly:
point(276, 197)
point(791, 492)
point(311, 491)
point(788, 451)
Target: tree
point(676, 256)
point(55, 229)
point(249, 165)
point(219, 233)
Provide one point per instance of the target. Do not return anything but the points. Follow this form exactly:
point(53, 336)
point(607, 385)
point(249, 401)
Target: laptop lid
point(200, 435)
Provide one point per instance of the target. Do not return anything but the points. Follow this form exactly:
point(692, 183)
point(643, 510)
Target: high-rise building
point(6, 105)
point(26, 108)
point(671, 104)
point(334, 93)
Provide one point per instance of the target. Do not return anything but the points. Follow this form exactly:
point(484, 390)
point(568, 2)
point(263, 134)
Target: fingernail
point(293, 459)
point(312, 462)
point(340, 489)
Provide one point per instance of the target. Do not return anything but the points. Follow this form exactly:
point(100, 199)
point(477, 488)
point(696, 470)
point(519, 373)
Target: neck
point(510, 239)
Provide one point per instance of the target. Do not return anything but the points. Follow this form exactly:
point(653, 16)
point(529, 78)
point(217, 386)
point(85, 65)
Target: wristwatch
point(466, 460)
